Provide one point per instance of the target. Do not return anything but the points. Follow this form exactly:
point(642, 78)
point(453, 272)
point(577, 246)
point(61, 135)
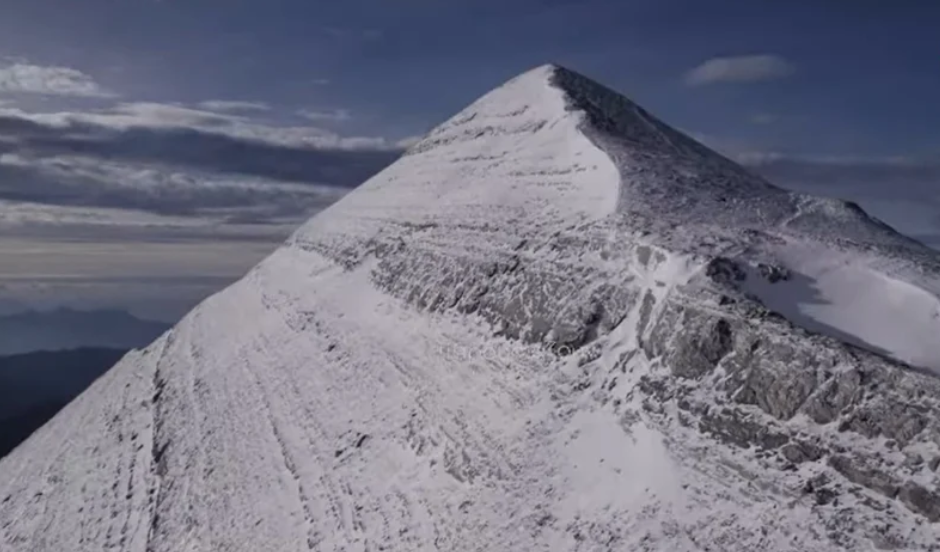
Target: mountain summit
point(555, 323)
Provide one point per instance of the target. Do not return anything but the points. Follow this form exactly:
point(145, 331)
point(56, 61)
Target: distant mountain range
point(66, 328)
point(35, 386)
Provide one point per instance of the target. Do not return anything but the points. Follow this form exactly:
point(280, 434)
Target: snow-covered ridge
point(336, 399)
point(554, 150)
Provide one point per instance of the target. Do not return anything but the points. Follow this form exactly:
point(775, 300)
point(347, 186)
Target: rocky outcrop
point(739, 373)
point(804, 397)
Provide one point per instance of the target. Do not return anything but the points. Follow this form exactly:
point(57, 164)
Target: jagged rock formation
point(554, 324)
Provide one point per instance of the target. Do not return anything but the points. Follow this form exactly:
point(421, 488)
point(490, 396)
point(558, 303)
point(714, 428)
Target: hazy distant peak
point(67, 328)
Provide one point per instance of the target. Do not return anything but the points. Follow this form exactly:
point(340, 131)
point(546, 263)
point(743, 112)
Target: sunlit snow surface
point(388, 380)
point(837, 293)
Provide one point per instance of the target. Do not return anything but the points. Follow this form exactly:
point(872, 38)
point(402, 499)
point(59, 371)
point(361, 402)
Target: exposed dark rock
point(899, 422)
point(934, 464)
point(773, 273)
point(643, 255)
point(921, 500)
point(834, 397)
point(723, 271)
point(733, 427)
point(855, 471)
point(698, 350)
point(779, 393)
point(822, 492)
point(646, 309)
point(798, 451)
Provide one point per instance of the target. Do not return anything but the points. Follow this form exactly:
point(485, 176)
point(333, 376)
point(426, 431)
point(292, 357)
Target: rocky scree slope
point(554, 324)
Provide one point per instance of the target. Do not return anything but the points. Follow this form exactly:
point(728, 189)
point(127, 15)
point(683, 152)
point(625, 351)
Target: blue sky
point(866, 79)
point(217, 125)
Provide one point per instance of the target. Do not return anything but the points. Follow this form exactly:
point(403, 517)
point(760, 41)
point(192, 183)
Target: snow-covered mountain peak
point(554, 324)
point(553, 147)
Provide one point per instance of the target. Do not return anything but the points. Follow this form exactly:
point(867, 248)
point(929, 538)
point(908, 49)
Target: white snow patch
point(605, 465)
point(841, 296)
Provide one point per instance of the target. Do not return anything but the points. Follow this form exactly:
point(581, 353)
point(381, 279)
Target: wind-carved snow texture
point(554, 324)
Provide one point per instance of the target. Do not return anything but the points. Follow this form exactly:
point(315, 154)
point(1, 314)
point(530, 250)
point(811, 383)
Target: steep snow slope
point(546, 327)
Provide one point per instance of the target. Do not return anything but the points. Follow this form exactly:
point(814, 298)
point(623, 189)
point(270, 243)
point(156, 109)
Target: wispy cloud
point(90, 182)
point(233, 105)
point(26, 78)
point(763, 118)
point(334, 115)
point(29, 144)
point(173, 160)
point(349, 33)
point(141, 116)
point(740, 69)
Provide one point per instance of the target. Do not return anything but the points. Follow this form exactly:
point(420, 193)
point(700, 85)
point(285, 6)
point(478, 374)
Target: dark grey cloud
point(177, 169)
point(70, 182)
point(195, 148)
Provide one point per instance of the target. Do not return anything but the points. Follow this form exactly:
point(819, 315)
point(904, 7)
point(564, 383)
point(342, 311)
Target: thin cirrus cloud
point(740, 69)
point(331, 115)
point(26, 78)
point(233, 106)
point(156, 130)
point(763, 118)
